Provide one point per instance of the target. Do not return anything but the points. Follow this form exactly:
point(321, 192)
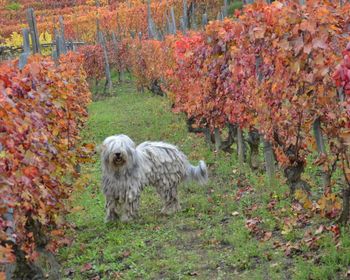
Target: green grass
point(234, 6)
point(13, 6)
point(208, 238)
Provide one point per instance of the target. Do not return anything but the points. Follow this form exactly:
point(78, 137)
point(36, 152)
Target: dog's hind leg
point(169, 197)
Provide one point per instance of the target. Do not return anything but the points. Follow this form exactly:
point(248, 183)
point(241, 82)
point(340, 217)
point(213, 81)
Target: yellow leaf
point(303, 198)
point(287, 228)
point(307, 204)
point(299, 194)
point(2, 154)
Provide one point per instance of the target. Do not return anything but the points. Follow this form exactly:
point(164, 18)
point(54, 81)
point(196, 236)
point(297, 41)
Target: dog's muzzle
point(118, 159)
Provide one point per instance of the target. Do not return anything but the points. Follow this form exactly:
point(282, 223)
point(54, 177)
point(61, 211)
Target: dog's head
point(117, 152)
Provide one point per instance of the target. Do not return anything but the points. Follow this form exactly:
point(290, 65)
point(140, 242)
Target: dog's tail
point(198, 173)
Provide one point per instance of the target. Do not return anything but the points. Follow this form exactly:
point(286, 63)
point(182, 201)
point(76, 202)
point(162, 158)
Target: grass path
point(206, 240)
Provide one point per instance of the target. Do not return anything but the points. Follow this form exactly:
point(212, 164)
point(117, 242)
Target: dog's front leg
point(130, 207)
point(111, 209)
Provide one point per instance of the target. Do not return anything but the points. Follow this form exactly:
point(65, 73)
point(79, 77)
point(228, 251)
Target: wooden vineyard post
point(33, 30)
point(60, 45)
point(152, 32)
point(220, 16)
point(217, 138)
point(254, 143)
point(116, 50)
point(173, 20)
point(168, 24)
point(225, 9)
point(326, 180)
point(64, 46)
point(207, 135)
point(193, 16)
point(268, 152)
point(26, 49)
point(182, 25)
point(204, 20)
point(108, 85)
point(270, 162)
point(240, 145)
point(184, 16)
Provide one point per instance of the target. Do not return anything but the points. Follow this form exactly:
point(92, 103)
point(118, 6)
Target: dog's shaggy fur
point(127, 169)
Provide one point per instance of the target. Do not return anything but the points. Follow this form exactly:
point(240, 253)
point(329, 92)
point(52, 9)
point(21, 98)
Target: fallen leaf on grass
point(242, 191)
point(77, 209)
point(291, 249)
point(312, 242)
point(253, 226)
point(288, 225)
point(267, 236)
point(272, 204)
point(235, 213)
point(86, 267)
point(336, 231)
point(117, 275)
point(57, 232)
point(65, 241)
point(320, 229)
point(252, 208)
point(213, 241)
point(126, 254)
point(277, 244)
point(297, 207)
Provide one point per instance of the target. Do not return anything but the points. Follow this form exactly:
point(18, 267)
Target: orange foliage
point(42, 108)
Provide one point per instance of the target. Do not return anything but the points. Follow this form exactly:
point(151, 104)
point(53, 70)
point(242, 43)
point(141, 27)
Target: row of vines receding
point(261, 78)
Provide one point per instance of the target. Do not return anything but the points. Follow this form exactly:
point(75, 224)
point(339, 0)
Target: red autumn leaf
point(86, 267)
point(30, 171)
point(57, 232)
point(336, 230)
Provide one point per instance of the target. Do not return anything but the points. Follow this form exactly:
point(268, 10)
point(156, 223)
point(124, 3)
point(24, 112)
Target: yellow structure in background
point(16, 40)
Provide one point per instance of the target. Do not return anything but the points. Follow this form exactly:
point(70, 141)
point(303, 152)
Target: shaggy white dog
point(127, 169)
